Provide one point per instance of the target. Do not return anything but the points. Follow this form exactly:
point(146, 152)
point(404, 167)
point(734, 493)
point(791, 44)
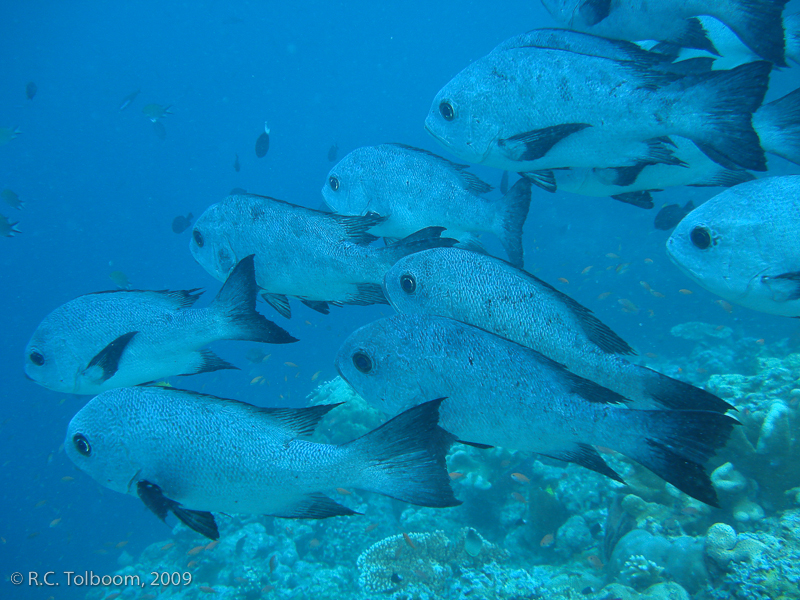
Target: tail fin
point(725, 100)
point(679, 395)
point(513, 210)
point(430, 237)
point(791, 25)
point(759, 25)
point(778, 126)
point(676, 444)
point(237, 301)
point(405, 458)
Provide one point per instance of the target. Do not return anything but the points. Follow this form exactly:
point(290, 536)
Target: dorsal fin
point(300, 421)
point(469, 181)
point(177, 298)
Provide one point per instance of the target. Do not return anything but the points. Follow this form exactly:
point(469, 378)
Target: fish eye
point(82, 444)
point(334, 183)
point(362, 362)
point(36, 358)
point(446, 109)
point(198, 238)
point(407, 283)
point(700, 237)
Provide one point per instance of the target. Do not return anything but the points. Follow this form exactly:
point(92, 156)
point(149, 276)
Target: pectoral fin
point(543, 179)
point(535, 144)
point(107, 360)
point(200, 521)
point(784, 287)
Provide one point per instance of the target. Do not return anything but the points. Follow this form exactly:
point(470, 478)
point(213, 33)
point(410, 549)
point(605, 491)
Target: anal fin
point(543, 179)
point(279, 302)
point(315, 506)
point(642, 199)
point(586, 456)
point(318, 305)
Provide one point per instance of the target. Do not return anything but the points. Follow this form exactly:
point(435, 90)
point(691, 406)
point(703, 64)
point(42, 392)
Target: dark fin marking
point(356, 227)
point(300, 421)
point(153, 498)
point(676, 445)
point(504, 183)
point(475, 445)
point(642, 199)
point(778, 126)
point(237, 303)
point(472, 242)
point(210, 362)
point(405, 458)
point(679, 395)
point(694, 35)
point(279, 302)
point(586, 456)
point(470, 181)
point(429, 237)
point(659, 151)
point(594, 11)
point(728, 99)
point(108, 358)
point(366, 294)
point(759, 24)
point(693, 66)
point(785, 287)
point(315, 506)
point(543, 179)
point(178, 298)
point(532, 145)
point(625, 176)
point(318, 305)
point(515, 205)
point(593, 392)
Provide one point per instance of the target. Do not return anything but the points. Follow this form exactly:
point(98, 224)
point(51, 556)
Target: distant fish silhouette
point(669, 216)
point(236, 166)
point(237, 191)
point(262, 143)
point(333, 152)
point(30, 90)
point(126, 101)
point(181, 223)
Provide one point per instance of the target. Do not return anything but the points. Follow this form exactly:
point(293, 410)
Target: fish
point(473, 542)
point(236, 166)
point(111, 339)
point(594, 107)
point(333, 152)
point(757, 23)
point(7, 134)
point(547, 540)
point(67, 479)
point(499, 393)
point(127, 100)
point(685, 292)
point(167, 546)
point(319, 258)
point(724, 305)
point(120, 279)
point(30, 90)
point(7, 228)
point(256, 356)
point(181, 223)
point(520, 478)
point(412, 188)
point(55, 522)
point(740, 245)
point(262, 143)
point(155, 112)
point(409, 541)
point(491, 294)
point(10, 198)
point(237, 458)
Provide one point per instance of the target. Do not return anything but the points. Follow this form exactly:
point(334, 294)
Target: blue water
point(102, 189)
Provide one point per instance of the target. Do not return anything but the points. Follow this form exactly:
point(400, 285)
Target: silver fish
point(413, 189)
point(491, 294)
point(530, 108)
point(113, 339)
point(499, 393)
point(758, 23)
point(742, 245)
point(317, 257)
point(237, 458)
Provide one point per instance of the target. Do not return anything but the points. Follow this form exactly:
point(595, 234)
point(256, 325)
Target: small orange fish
point(308, 322)
point(612, 255)
point(719, 327)
point(520, 498)
point(505, 462)
point(122, 544)
point(651, 313)
point(344, 492)
point(648, 261)
point(690, 510)
point(40, 503)
point(55, 522)
point(547, 540)
point(370, 527)
point(267, 588)
point(701, 370)
point(628, 306)
point(587, 269)
point(685, 292)
point(563, 280)
point(167, 546)
point(33, 534)
point(760, 342)
point(622, 267)
point(212, 545)
point(315, 375)
point(726, 306)
point(67, 479)
point(651, 355)
point(595, 561)
point(191, 564)
point(657, 294)
point(207, 590)
point(455, 475)
point(290, 364)
point(314, 543)
point(604, 295)
point(256, 379)
point(273, 562)
point(195, 550)
point(520, 478)
point(409, 541)
point(645, 285)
